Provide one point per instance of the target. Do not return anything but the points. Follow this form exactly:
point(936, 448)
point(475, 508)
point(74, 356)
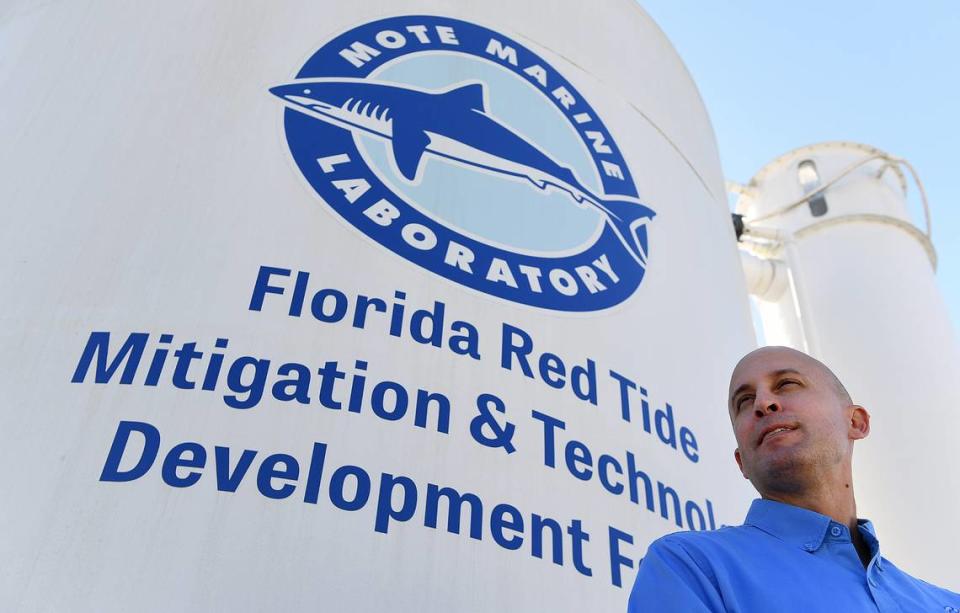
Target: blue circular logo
point(466, 153)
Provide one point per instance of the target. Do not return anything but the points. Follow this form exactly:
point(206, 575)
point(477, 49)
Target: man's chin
point(784, 474)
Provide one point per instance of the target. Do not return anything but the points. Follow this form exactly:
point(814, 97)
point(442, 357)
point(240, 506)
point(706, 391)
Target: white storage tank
point(865, 301)
point(342, 306)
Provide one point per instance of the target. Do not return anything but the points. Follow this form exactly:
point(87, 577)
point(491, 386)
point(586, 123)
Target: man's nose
point(765, 405)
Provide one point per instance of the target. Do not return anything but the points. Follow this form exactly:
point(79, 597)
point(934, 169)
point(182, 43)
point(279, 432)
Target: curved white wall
point(147, 182)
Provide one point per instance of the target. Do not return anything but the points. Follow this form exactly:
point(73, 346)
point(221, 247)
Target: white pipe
point(786, 314)
point(767, 279)
point(801, 304)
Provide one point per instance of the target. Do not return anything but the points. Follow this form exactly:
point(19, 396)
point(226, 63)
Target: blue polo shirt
point(782, 559)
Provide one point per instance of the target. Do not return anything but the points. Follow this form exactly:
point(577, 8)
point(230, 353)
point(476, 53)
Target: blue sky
point(779, 75)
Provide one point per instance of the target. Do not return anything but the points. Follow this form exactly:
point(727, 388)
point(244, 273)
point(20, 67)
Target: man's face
point(789, 418)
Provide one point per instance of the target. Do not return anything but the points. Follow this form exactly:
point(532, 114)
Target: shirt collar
point(801, 527)
point(869, 534)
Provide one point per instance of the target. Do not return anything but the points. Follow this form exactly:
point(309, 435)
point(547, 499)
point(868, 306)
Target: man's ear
point(859, 423)
point(736, 456)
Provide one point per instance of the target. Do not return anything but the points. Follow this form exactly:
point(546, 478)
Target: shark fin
point(409, 143)
point(469, 96)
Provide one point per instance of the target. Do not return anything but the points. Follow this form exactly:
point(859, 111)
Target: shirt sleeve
point(670, 580)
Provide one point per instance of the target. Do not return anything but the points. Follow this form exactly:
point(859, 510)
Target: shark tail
point(628, 218)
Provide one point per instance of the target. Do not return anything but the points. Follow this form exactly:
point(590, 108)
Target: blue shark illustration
point(454, 124)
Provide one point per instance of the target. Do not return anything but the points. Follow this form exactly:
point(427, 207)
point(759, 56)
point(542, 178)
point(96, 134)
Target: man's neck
point(841, 508)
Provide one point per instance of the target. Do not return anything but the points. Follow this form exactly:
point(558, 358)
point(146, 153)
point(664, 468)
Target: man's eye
point(787, 382)
point(742, 401)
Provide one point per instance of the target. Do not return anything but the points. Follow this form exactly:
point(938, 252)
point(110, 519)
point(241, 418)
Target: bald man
point(801, 547)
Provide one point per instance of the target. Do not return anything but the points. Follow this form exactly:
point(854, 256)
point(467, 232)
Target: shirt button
point(836, 531)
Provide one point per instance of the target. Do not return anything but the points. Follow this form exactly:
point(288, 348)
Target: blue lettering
point(385, 510)
point(537, 526)
point(584, 382)
point(617, 560)
point(578, 453)
point(175, 459)
point(551, 364)
point(691, 508)
point(227, 481)
point(262, 286)
point(521, 351)
point(97, 345)
point(254, 389)
point(668, 492)
point(269, 471)
point(454, 505)
point(317, 305)
point(399, 400)
point(424, 399)
point(688, 443)
point(506, 517)
point(337, 481)
point(549, 442)
point(317, 457)
point(603, 463)
point(111, 468)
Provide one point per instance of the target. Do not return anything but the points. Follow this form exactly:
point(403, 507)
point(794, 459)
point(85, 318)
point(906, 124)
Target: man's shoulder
point(701, 540)
point(704, 547)
point(919, 584)
point(680, 571)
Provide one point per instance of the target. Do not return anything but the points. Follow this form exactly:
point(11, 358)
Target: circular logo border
point(600, 276)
